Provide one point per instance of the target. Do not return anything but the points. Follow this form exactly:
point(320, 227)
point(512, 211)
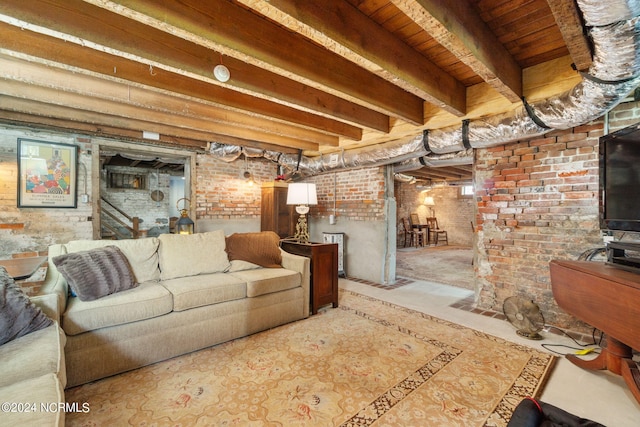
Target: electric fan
point(525, 316)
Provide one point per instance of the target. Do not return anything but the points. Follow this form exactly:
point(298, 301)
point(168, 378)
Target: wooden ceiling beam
point(279, 98)
point(117, 99)
point(444, 172)
point(457, 26)
point(571, 26)
point(200, 144)
point(346, 31)
point(462, 170)
point(236, 32)
point(50, 103)
point(437, 174)
point(17, 118)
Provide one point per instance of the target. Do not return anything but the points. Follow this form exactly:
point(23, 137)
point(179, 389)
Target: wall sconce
point(428, 201)
point(248, 176)
point(184, 225)
point(302, 195)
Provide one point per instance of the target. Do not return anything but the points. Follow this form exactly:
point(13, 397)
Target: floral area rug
point(367, 362)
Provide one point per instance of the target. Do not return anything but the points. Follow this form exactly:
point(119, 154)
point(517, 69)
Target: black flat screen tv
point(619, 202)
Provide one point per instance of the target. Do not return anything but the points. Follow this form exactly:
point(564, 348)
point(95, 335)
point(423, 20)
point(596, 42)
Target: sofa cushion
point(18, 315)
point(205, 289)
point(142, 254)
point(268, 280)
point(45, 392)
point(183, 255)
point(261, 248)
point(239, 265)
point(39, 353)
point(144, 302)
point(96, 273)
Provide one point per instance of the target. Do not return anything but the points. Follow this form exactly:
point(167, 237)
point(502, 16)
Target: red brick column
point(536, 200)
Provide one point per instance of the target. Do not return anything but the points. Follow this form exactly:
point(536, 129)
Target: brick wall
point(623, 115)
point(26, 230)
point(357, 195)
point(537, 200)
point(221, 192)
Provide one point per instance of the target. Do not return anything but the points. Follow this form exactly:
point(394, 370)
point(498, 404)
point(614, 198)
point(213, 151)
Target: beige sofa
point(33, 375)
point(190, 296)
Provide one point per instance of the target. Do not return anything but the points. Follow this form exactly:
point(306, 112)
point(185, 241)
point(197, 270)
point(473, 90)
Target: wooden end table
point(324, 270)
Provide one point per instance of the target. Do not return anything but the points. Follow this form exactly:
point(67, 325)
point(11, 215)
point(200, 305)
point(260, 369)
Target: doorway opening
point(138, 190)
point(443, 255)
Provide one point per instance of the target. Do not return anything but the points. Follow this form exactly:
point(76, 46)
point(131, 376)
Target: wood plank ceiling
point(317, 76)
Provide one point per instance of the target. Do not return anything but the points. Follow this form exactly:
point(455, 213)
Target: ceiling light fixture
point(221, 73)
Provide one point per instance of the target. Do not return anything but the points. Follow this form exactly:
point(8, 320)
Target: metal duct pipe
point(464, 157)
point(404, 178)
point(614, 29)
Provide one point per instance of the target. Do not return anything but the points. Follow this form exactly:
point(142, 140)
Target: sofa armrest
point(302, 265)
point(48, 304)
point(54, 283)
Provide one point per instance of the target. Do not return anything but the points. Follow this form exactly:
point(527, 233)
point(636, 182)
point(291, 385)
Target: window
point(126, 180)
point(466, 191)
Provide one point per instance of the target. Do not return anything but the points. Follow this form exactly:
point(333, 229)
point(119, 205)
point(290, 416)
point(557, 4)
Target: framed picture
point(47, 174)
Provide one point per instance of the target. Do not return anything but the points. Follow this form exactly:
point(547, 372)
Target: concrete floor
point(596, 395)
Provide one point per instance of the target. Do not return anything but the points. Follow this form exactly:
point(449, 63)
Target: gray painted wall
point(369, 255)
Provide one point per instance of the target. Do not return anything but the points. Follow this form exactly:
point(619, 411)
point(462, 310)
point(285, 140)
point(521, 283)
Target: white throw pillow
point(184, 255)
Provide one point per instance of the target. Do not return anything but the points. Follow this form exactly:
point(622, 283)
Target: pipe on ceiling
point(614, 29)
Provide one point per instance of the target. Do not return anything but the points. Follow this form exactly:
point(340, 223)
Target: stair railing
point(133, 225)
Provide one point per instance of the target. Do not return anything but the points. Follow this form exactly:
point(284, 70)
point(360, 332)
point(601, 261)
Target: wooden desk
point(22, 268)
point(607, 298)
point(324, 270)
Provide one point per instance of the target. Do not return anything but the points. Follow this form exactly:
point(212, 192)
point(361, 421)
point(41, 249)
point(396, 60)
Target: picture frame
point(47, 174)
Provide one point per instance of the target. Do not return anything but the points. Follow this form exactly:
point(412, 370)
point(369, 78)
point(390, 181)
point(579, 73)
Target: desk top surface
point(603, 270)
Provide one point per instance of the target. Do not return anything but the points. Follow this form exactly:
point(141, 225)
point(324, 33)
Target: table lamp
point(302, 195)
point(428, 201)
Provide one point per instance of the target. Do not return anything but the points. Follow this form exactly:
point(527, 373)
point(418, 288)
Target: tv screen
point(620, 180)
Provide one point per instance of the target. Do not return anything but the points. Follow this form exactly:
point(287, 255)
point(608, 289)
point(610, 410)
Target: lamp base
point(302, 230)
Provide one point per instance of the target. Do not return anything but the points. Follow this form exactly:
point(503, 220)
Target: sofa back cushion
point(142, 254)
point(183, 255)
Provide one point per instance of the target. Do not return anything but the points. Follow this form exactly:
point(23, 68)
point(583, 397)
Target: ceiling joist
point(312, 76)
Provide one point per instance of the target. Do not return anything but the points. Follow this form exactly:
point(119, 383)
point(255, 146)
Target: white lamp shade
point(428, 201)
point(302, 194)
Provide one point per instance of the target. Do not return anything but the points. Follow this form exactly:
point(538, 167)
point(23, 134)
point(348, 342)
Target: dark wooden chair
point(435, 234)
point(419, 230)
point(409, 233)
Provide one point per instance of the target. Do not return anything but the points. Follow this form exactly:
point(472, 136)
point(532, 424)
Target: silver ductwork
point(614, 29)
